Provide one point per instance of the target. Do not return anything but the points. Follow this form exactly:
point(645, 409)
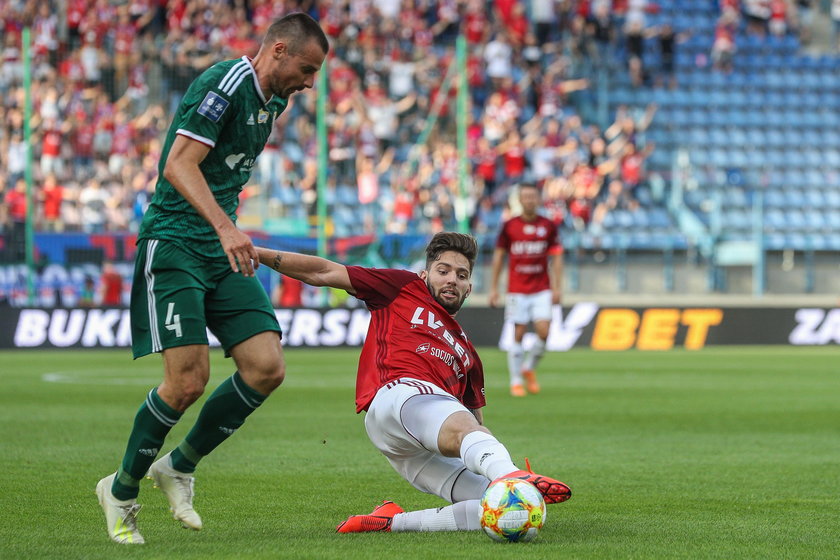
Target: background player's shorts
point(403, 422)
point(522, 309)
point(176, 297)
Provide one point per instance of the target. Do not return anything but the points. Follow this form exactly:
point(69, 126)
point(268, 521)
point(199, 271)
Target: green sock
point(223, 413)
point(153, 421)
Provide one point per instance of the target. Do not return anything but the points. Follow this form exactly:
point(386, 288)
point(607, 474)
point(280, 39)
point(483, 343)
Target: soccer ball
point(512, 510)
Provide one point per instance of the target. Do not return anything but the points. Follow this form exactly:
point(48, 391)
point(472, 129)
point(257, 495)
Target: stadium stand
point(649, 125)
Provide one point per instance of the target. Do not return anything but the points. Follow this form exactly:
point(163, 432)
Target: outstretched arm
point(311, 270)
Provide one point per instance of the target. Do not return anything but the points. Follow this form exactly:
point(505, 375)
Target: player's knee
point(275, 375)
point(267, 374)
point(185, 393)
point(192, 392)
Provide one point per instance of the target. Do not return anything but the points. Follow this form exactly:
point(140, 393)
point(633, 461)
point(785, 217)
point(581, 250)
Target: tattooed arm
point(314, 271)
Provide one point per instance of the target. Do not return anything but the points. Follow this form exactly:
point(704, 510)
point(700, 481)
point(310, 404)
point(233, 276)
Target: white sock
point(514, 359)
point(463, 516)
point(535, 355)
point(483, 454)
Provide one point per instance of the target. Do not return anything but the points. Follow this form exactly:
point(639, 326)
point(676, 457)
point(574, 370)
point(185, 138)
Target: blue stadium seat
point(735, 197)
point(736, 219)
point(833, 241)
point(774, 241)
point(796, 219)
point(659, 218)
point(814, 219)
point(774, 198)
point(775, 219)
point(832, 198)
point(346, 194)
point(831, 157)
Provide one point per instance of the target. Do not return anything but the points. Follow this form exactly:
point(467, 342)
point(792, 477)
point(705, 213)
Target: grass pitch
point(722, 453)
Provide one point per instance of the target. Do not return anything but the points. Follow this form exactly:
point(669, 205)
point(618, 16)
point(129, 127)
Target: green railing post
point(29, 236)
point(463, 195)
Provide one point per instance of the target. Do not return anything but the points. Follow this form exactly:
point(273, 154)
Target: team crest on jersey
point(213, 106)
point(423, 348)
point(541, 231)
point(262, 117)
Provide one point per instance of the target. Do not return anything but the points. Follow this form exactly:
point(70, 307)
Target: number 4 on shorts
point(173, 321)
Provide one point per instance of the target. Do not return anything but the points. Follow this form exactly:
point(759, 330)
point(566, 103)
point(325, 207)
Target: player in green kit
point(194, 271)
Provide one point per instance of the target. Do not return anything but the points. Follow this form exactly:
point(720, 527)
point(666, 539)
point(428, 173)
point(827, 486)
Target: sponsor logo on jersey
point(528, 247)
point(250, 119)
point(233, 159)
point(427, 318)
point(213, 106)
point(448, 359)
point(423, 348)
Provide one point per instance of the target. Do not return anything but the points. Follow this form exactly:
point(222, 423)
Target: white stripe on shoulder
point(234, 71)
point(196, 137)
point(232, 85)
point(238, 81)
point(234, 80)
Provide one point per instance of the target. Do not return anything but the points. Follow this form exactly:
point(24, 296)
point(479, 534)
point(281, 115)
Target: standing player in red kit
point(421, 384)
point(530, 241)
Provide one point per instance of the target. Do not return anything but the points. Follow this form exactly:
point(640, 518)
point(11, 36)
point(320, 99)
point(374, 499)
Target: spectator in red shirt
point(110, 286)
point(16, 202)
point(288, 293)
point(52, 196)
point(484, 165)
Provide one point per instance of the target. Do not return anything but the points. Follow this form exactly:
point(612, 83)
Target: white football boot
point(178, 488)
point(120, 515)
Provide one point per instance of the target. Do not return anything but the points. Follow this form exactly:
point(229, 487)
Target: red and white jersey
point(411, 335)
point(528, 245)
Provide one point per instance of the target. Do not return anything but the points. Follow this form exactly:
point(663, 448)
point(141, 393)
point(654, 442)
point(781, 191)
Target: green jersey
point(224, 108)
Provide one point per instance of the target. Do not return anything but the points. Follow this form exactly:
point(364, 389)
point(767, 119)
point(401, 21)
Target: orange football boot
point(378, 520)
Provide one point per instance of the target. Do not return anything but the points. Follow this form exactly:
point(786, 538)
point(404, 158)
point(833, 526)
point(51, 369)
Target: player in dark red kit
point(421, 384)
point(529, 241)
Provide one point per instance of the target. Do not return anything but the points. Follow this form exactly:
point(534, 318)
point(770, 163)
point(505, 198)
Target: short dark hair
point(451, 241)
point(296, 29)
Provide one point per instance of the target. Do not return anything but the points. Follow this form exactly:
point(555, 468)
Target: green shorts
point(176, 297)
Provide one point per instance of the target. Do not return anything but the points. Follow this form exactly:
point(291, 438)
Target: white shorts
point(413, 451)
point(522, 309)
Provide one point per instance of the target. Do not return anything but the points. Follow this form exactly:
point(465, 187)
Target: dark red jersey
point(528, 245)
point(411, 335)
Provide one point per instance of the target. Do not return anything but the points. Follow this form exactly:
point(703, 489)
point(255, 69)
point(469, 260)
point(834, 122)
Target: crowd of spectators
point(107, 76)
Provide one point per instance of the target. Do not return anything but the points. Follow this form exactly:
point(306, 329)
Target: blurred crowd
point(107, 75)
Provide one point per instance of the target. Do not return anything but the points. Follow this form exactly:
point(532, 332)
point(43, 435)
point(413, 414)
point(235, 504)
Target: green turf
point(722, 453)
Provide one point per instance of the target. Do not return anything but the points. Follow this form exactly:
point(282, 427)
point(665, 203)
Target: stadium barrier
point(584, 325)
